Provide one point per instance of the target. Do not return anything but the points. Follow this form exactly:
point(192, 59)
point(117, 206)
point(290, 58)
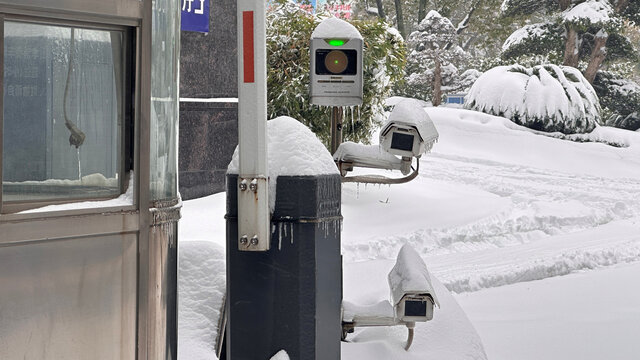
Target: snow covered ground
point(495, 207)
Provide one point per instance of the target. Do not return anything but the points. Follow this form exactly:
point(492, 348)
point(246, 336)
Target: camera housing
point(412, 294)
point(409, 132)
point(336, 64)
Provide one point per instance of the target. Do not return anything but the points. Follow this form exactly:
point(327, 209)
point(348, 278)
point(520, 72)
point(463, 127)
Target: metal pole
point(336, 128)
point(253, 205)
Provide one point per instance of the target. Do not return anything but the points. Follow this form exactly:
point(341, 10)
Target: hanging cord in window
point(77, 136)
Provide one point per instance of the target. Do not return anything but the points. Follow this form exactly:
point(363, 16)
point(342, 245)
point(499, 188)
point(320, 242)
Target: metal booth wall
point(89, 204)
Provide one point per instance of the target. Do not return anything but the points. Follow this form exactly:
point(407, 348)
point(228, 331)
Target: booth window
point(64, 113)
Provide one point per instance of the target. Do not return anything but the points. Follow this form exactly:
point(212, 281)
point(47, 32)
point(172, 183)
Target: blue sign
point(195, 15)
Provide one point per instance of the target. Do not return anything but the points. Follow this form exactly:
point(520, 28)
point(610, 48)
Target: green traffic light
point(336, 42)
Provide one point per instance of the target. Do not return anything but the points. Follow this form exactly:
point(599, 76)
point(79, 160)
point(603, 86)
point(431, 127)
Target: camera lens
point(336, 62)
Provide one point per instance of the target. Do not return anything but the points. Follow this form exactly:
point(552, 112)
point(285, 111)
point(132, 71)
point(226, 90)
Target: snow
point(125, 199)
point(381, 310)
point(95, 179)
point(539, 237)
point(334, 28)
point(366, 155)
point(281, 355)
point(587, 315)
point(558, 94)
point(201, 289)
point(293, 150)
point(525, 33)
point(592, 12)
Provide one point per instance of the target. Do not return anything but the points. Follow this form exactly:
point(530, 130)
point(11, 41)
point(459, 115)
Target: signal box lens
point(336, 62)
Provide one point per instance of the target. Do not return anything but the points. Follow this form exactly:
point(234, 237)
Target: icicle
point(79, 165)
point(291, 224)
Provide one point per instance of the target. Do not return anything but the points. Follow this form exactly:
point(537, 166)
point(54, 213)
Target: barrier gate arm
point(253, 190)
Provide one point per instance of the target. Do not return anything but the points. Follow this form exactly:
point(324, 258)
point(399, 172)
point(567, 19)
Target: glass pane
point(62, 112)
point(164, 99)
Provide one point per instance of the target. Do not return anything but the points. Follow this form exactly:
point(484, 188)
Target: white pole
point(253, 205)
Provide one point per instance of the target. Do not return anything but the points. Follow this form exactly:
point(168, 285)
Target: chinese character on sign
point(195, 15)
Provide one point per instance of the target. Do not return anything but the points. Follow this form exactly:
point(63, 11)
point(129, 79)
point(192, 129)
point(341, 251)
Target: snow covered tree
point(289, 29)
point(574, 30)
point(433, 57)
point(620, 99)
point(591, 35)
point(547, 98)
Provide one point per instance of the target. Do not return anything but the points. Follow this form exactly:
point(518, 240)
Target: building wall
point(208, 130)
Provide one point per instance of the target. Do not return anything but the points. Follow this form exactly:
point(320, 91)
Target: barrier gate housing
point(89, 204)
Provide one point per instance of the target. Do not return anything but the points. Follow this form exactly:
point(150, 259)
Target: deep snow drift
point(495, 204)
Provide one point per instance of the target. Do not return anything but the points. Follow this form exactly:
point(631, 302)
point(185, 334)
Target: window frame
point(128, 148)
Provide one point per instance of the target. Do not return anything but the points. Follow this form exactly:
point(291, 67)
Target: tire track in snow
point(545, 205)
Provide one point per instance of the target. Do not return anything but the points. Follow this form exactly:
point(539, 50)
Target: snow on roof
point(335, 28)
point(293, 150)
point(591, 12)
point(410, 276)
point(526, 32)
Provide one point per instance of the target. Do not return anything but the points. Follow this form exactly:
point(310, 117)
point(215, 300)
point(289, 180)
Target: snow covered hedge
point(620, 99)
point(546, 97)
point(289, 29)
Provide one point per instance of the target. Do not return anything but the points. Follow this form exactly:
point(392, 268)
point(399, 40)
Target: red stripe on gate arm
point(247, 46)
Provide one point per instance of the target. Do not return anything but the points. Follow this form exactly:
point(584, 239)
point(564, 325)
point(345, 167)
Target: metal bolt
point(254, 240)
point(243, 185)
point(254, 185)
point(244, 240)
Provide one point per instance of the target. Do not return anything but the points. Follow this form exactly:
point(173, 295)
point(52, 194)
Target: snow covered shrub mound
point(548, 98)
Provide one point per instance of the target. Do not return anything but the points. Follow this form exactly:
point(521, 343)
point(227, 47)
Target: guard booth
point(89, 204)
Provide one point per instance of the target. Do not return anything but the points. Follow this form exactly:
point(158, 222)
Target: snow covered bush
point(434, 58)
point(620, 99)
point(289, 29)
point(546, 97)
point(536, 39)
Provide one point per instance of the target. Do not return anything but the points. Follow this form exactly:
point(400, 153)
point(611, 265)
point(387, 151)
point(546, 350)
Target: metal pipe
point(377, 179)
point(336, 128)
point(410, 336)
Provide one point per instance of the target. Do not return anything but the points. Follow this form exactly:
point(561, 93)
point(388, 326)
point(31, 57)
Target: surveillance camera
point(409, 132)
point(412, 293)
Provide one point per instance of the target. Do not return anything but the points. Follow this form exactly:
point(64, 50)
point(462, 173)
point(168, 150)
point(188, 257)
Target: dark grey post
point(288, 298)
point(208, 130)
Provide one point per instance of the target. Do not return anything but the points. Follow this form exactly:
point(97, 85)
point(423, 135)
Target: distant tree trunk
point(380, 9)
point(598, 55)
point(437, 82)
point(564, 4)
point(571, 48)
point(400, 18)
point(621, 5)
point(422, 9)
